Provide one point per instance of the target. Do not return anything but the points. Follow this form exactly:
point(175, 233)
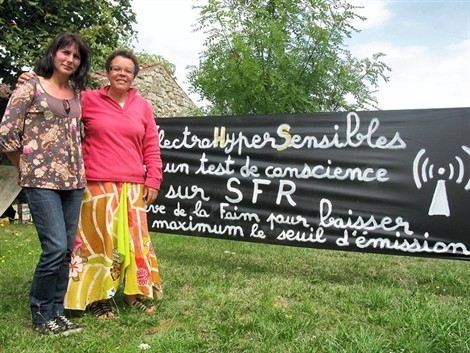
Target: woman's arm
point(151, 151)
point(12, 126)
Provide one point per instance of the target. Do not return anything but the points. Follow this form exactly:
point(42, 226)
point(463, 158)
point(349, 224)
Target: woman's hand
point(14, 158)
point(150, 195)
point(25, 76)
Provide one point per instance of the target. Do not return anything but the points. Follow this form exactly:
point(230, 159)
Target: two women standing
point(121, 155)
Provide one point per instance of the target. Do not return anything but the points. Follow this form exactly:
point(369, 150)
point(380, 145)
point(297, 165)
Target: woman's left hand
point(150, 195)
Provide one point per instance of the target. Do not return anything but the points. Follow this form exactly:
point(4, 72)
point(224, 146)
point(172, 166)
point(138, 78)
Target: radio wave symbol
point(424, 172)
point(424, 169)
point(467, 150)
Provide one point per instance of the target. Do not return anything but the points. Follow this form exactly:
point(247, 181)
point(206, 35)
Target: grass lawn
point(229, 296)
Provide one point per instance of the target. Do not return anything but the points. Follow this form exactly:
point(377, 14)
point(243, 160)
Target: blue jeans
point(55, 214)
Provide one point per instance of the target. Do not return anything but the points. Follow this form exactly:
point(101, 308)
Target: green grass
point(229, 296)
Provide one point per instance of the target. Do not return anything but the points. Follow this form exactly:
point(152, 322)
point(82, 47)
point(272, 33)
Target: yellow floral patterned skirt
point(112, 247)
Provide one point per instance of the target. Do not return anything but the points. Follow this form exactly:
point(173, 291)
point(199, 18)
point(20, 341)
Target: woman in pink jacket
point(124, 172)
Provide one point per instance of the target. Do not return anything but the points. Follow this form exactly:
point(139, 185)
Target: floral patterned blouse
point(47, 132)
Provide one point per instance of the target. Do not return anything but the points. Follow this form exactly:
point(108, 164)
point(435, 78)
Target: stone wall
point(157, 85)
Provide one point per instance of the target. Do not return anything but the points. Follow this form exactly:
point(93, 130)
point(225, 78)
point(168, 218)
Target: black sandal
point(101, 310)
point(142, 306)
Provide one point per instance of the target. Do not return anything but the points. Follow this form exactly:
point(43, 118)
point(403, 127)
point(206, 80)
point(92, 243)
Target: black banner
point(392, 182)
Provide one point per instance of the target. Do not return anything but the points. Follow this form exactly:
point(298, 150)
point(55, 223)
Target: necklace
point(66, 105)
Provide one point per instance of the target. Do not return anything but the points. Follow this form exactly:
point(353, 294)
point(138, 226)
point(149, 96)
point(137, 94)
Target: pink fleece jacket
point(120, 144)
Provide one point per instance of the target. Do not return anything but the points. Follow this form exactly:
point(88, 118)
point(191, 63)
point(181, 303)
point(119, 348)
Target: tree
point(27, 26)
point(282, 56)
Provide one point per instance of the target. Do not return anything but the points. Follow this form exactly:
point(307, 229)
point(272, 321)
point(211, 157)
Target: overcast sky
point(426, 42)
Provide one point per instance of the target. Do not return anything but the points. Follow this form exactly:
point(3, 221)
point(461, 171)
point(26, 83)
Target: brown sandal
point(142, 306)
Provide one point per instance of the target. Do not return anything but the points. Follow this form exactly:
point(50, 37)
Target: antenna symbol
point(424, 172)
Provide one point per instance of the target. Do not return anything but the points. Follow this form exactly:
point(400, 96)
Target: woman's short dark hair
point(128, 54)
point(45, 66)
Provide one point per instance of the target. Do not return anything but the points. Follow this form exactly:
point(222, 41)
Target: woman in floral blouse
point(40, 133)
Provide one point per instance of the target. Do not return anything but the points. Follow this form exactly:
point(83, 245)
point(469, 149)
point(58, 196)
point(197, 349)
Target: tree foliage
point(282, 56)
point(27, 26)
